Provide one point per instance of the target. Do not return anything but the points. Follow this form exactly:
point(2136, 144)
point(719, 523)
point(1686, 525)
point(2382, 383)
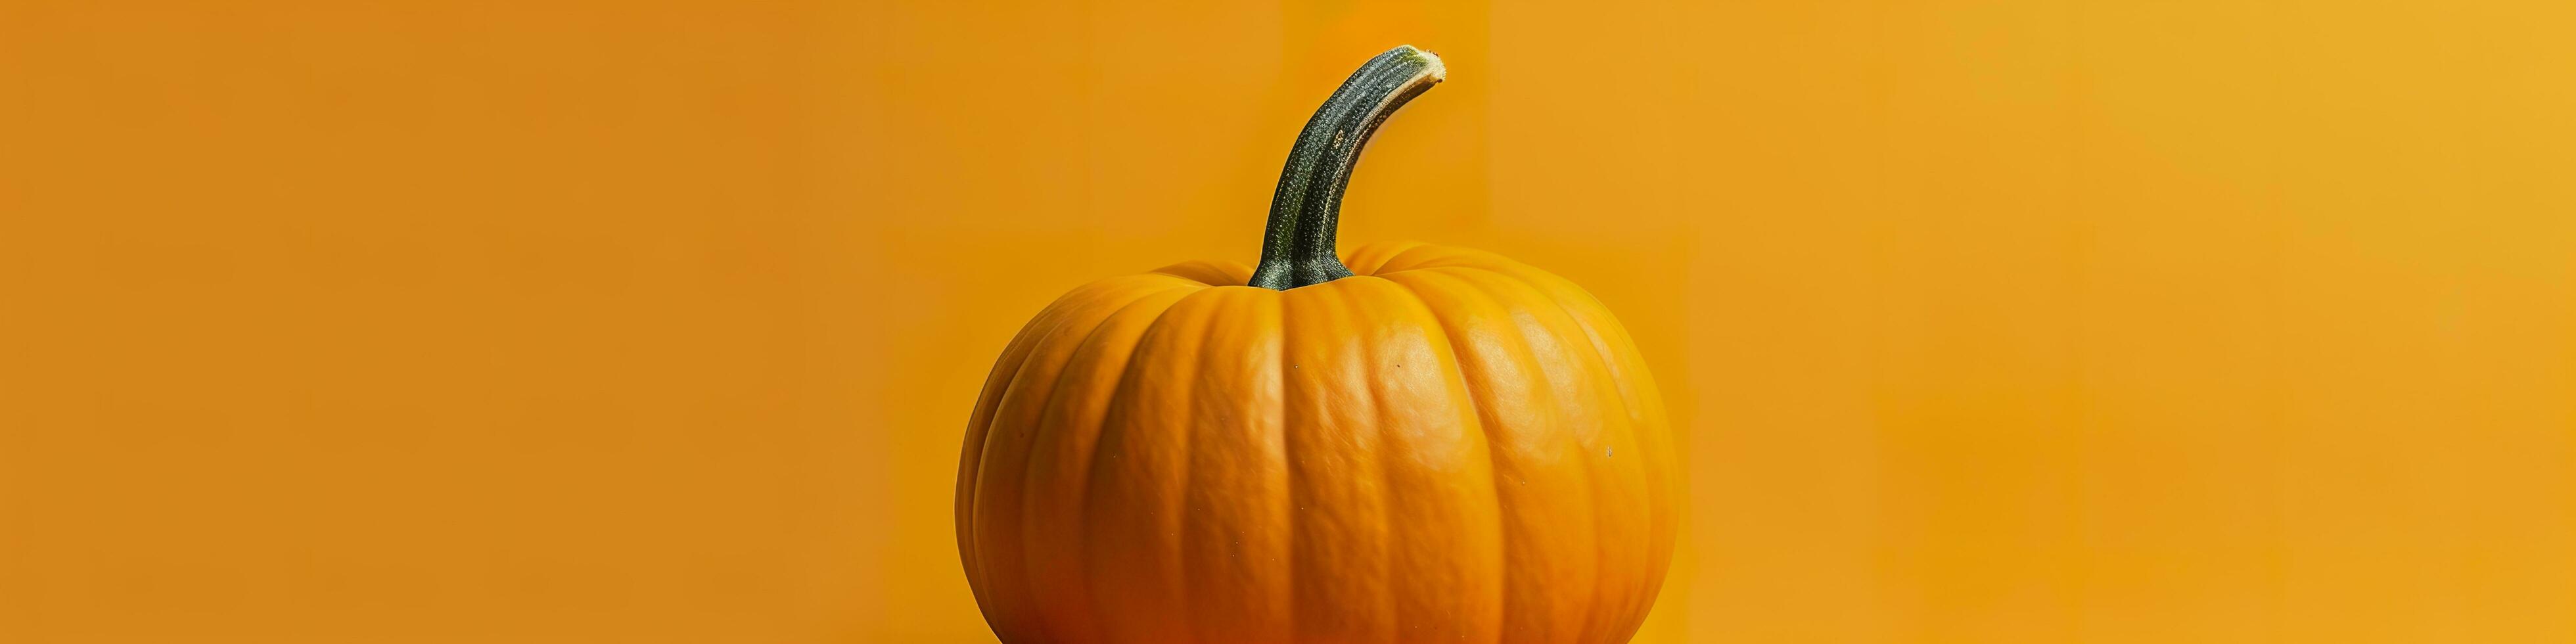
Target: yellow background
point(2199, 321)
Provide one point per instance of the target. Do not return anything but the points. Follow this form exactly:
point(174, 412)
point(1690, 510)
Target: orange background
point(2203, 321)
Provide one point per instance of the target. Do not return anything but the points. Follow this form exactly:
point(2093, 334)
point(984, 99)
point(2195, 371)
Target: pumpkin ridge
point(1221, 271)
point(1073, 311)
point(1288, 459)
point(1199, 554)
point(1630, 402)
point(988, 402)
point(1386, 509)
point(1393, 258)
point(1601, 551)
point(1267, 384)
point(1493, 462)
point(1603, 360)
point(1300, 491)
point(1190, 472)
point(1591, 474)
point(1518, 355)
point(1119, 400)
point(1005, 368)
point(1618, 395)
point(996, 389)
point(1055, 399)
point(1382, 252)
point(1353, 502)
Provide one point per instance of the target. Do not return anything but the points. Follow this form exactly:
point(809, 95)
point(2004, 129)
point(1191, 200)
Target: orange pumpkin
point(1421, 444)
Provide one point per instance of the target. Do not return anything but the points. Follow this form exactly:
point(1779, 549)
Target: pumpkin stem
point(1297, 248)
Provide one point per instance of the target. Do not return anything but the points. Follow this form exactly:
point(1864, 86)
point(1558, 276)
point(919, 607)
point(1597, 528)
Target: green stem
point(1297, 248)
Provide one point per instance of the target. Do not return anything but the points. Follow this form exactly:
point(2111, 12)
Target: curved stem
point(1297, 248)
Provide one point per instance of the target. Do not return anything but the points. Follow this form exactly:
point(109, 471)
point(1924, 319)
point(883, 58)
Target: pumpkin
point(1410, 443)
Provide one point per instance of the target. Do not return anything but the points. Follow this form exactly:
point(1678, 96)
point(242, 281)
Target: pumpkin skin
point(1446, 446)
